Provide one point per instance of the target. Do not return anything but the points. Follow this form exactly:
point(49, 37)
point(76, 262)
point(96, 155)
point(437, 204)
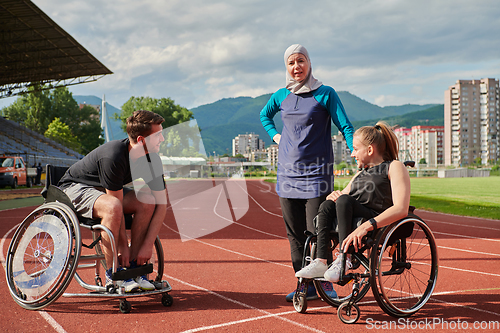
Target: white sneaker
point(315, 269)
point(333, 273)
point(144, 283)
point(128, 285)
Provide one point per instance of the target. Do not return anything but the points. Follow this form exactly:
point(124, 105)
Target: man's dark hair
point(140, 123)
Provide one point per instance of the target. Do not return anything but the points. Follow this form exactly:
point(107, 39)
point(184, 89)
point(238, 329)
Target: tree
point(60, 132)
point(422, 161)
point(182, 137)
point(37, 109)
point(86, 126)
point(31, 110)
point(174, 114)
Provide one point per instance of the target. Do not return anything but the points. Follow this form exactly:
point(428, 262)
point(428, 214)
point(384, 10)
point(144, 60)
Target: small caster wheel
point(300, 303)
point(98, 281)
point(167, 300)
point(110, 288)
point(348, 314)
point(125, 306)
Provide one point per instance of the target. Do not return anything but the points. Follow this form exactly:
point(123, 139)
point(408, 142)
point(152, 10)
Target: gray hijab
point(309, 83)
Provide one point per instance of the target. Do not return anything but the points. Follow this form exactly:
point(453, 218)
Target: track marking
point(464, 225)
point(267, 314)
point(240, 224)
point(260, 204)
point(469, 237)
point(227, 250)
point(469, 251)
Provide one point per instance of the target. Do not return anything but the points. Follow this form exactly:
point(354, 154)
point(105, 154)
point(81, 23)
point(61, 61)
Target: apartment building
point(421, 143)
point(405, 144)
point(272, 154)
point(246, 143)
point(341, 152)
point(427, 144)
point(471, 122)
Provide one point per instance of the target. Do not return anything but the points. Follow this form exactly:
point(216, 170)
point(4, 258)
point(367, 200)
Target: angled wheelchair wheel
point(43, 256)
point(335, 294)
point(404, 267)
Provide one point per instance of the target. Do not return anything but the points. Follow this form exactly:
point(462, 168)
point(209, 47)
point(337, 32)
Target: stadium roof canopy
point(34, 49)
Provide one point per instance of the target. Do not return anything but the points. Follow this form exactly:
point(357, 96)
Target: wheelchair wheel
point(348, 314)
point(300, 298)
point(343, 293)
point(404, 268)
point(157, 258)
point(43, 256)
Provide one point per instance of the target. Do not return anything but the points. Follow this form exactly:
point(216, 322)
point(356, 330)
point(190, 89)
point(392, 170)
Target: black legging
point(344, 209)
point(298, 215)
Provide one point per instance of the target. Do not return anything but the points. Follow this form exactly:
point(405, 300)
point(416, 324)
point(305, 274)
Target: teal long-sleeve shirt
point(305, 158)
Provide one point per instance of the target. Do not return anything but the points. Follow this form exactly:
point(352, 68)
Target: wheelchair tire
point(43, 256)
point(348, 314)
point(343, 292)
point(404, 274)
point(300, 302)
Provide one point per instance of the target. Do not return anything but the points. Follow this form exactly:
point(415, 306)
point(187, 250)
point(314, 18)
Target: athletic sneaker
point(128, 285)
point(144, 283)
point(328, 289)
point(311, 294)
point(333, 273)
point(315, 269)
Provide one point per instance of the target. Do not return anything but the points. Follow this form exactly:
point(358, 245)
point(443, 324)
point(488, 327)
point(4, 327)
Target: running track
point(236, 279)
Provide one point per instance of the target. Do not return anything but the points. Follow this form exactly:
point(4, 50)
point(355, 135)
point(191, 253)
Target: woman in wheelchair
point(379, 193)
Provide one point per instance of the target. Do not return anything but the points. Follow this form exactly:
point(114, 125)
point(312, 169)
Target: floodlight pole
point(104, 119)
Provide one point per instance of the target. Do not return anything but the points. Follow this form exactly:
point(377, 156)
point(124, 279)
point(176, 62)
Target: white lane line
point(240, 224)
point(464, 236)
point(465, 225)
point(48, 318)
point(469, 251)
point(278, 215)
point(227, 250)
point(267, 314)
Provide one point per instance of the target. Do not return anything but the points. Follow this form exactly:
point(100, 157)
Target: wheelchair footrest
point(131, 273)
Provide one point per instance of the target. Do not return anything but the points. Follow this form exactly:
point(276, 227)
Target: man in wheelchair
point(95, 185)
point(379, 192)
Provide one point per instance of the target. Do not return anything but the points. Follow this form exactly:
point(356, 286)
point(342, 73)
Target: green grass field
point(461, 196)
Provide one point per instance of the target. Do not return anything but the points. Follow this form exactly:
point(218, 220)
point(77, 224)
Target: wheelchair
point(399, 262)
point(46, 251)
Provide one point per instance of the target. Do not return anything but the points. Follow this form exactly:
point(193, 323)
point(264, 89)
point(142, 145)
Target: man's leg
point(110, 210)
point(143, 207)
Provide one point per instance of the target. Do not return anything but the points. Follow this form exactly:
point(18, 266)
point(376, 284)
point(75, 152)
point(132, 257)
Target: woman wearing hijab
point(305, 157)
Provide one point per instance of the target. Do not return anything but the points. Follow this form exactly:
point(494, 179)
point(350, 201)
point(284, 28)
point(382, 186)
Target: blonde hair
point(381, 136)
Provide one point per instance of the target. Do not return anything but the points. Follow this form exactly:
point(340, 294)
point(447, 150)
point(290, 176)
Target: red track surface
point(236, 279)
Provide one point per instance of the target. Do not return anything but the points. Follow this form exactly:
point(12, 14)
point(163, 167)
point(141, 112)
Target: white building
point(421, 143)
point(341, 152)
point(246, 143)
point(471, 122)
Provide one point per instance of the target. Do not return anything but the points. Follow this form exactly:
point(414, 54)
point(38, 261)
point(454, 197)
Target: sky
point(387, 52)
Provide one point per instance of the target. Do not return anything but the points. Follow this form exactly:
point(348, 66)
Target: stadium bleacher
point(32, 146)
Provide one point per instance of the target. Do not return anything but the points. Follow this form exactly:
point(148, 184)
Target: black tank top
point(372, 187)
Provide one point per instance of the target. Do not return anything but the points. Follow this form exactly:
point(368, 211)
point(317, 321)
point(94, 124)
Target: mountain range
point(222, 120)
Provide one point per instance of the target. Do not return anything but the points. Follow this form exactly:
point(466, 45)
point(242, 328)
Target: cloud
point(384, 51)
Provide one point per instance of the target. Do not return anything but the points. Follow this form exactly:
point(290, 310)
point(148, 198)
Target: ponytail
point(381, 136)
